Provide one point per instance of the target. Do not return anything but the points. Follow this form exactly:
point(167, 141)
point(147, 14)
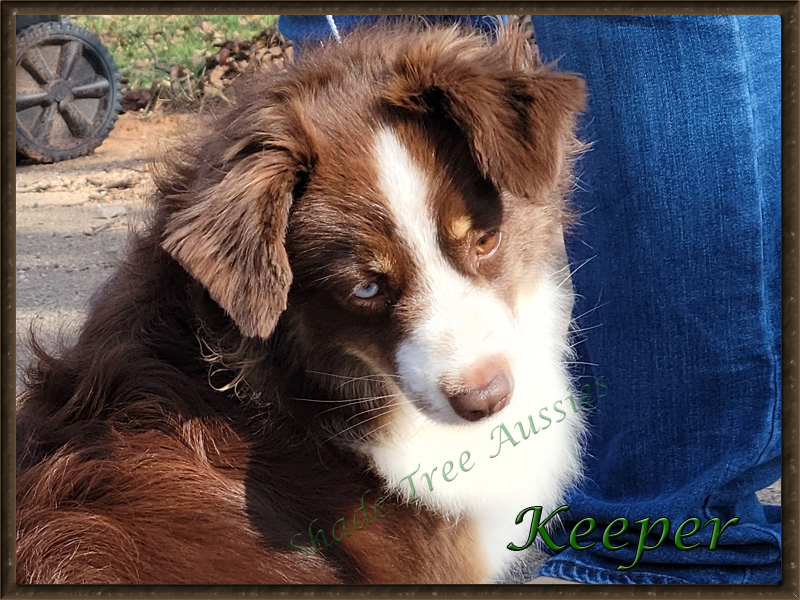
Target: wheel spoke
point(70, 52)
point(34, 64)
point(77, 123)
point(94, 89)
point(25, 101)
point(44, 124)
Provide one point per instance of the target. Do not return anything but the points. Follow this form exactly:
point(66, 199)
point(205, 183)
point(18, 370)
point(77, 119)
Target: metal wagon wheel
point(68, 92)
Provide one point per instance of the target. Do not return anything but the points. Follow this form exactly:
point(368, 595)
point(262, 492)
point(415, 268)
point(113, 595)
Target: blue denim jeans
point(679, 301)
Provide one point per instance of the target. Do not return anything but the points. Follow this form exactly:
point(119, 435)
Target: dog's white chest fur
point(534, 472)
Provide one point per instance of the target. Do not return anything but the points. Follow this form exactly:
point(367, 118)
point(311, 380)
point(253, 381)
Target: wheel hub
point(60, 90)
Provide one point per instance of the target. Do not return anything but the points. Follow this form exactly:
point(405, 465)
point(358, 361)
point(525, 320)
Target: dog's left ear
point(230, 234)
point(519, 119)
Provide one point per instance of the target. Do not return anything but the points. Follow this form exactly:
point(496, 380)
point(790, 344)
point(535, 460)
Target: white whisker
point(355, 402)
point(587, 328)
point(583, 264)
point(590, 311)
point(368, 410)
point(359, 424)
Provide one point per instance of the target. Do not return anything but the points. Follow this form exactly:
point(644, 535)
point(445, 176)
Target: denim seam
point(748, 89)
point(563, 569)
point(752, 526)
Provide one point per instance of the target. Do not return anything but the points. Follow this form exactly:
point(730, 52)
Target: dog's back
point(193, 431)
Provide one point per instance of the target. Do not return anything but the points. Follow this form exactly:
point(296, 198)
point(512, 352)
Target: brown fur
point(167, 445)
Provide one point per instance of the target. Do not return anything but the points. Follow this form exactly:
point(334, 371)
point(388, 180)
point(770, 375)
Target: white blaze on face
point(459, 323)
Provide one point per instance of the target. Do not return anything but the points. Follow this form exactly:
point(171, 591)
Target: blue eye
point(365, 291)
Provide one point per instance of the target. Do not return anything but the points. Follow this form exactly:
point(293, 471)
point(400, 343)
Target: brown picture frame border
point(790, 73)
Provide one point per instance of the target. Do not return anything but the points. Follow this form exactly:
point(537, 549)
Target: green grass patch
point(146, 46)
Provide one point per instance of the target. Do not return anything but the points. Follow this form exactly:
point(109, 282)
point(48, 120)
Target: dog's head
point(391, 202)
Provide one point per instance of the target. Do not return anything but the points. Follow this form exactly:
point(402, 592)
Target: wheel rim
point(63, 92)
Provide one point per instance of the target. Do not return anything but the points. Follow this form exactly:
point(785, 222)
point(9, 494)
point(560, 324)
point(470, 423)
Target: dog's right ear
point(229, 233)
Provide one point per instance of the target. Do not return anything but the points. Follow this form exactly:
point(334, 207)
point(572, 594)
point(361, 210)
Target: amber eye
point(487, 243)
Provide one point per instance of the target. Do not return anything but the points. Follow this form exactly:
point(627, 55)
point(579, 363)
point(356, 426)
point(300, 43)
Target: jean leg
point(682, 293)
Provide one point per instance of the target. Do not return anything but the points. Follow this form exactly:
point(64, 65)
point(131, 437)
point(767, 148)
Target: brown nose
point(488, 389)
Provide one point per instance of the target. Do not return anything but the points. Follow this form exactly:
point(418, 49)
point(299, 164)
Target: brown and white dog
point(354, 273)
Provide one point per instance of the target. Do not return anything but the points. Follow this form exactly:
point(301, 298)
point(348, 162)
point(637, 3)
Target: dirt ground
point(72, 222)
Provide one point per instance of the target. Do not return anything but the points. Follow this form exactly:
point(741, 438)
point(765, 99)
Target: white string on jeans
point(333, 27)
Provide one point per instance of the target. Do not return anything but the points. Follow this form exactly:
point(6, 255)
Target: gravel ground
point(72, 222)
